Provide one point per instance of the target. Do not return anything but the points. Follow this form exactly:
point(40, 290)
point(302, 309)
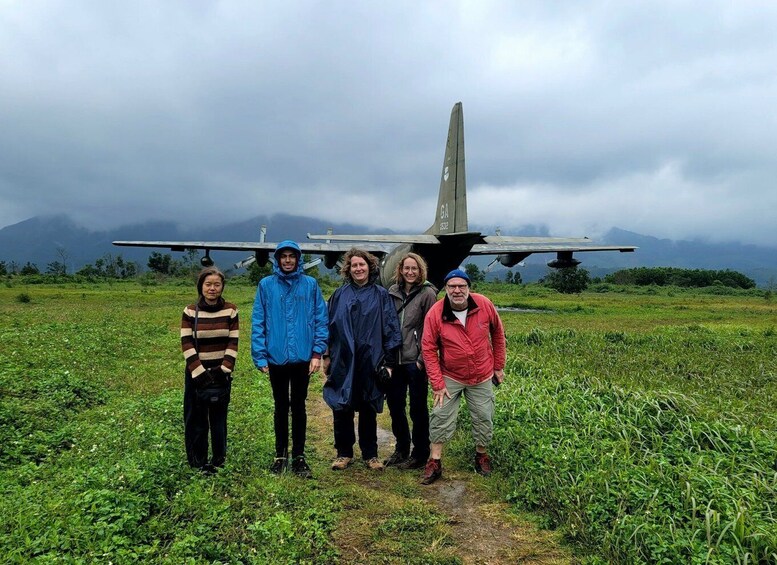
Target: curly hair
point(205, 273)
point(422, 268)
point(371, 260)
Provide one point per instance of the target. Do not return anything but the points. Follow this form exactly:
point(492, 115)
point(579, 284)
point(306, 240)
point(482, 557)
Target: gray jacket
point(411, 318)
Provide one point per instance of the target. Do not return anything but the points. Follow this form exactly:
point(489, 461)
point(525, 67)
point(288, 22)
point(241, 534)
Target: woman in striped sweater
point(209, 336)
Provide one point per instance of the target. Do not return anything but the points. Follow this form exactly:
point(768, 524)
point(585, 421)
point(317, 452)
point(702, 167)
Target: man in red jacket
point(464, 351)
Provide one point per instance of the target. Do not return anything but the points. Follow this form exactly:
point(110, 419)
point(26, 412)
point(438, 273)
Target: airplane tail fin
point(451, 215)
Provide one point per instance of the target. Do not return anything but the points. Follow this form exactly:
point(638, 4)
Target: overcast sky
point(655, 117)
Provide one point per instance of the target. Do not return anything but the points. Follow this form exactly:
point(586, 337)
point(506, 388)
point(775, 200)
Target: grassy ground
point(641, 425)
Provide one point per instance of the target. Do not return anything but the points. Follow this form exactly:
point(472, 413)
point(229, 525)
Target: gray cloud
point(653, 117)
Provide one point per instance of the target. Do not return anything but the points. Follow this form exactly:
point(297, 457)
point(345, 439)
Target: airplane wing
point(311, 248)
point(496, 245)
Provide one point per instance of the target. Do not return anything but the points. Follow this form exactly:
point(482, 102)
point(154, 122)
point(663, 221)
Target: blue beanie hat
point(457, 273)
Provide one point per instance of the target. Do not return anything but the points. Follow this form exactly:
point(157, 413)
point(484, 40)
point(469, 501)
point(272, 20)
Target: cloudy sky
point(655, 117)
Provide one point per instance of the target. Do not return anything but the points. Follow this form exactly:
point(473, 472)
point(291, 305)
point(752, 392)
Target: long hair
point(205, 273)
point(422, 269)
point(372, 263)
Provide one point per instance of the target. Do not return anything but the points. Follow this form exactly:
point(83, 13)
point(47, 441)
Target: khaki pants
point(480, 400)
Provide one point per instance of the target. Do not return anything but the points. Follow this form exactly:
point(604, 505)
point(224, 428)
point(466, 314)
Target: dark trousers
point(199, 417)
point(290, 390)
point(345, 436)
point(410, 378)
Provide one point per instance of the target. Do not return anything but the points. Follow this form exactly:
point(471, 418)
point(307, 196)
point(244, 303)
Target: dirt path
point(473, 529)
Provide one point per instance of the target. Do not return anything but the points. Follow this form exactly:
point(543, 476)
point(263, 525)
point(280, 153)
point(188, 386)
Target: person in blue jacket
point(363, 331)
point(288, 338)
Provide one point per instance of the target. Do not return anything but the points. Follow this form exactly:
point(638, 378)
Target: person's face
point(360, 271)
point(410, 271)
point(212, 288)
point(457, 291)
point(287, 260)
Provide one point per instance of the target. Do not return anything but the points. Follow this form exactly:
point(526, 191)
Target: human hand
point(439, 396)
point(265, 369)
point(500, 376)
point(315, 365)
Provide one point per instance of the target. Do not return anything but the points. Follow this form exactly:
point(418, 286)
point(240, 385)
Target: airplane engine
point(206, 261)
point(563, 260)
point(331, 260)
point(511, 259)
point(262, 257)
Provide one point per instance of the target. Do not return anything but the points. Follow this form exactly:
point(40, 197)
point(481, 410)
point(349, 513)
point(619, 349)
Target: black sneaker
point(395, 458)
point(278, 466)
point(411, 463)
point(300, 467)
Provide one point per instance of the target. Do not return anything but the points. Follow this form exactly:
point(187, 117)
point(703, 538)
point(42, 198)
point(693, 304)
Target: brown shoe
point(375, 464)
point(341, 463)
point(432, 471)
point(483, 464)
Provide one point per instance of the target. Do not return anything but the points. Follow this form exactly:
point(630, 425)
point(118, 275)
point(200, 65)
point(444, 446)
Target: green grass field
point(642, 425)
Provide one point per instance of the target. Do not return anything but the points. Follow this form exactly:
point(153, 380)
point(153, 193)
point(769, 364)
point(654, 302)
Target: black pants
point(410, 377)
point(345, 436)
point(201, 416)
point(290, 390)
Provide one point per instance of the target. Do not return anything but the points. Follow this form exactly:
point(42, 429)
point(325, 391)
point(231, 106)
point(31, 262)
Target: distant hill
point(38, 240)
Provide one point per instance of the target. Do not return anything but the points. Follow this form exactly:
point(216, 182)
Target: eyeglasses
point(456, 286)
point(411, 269)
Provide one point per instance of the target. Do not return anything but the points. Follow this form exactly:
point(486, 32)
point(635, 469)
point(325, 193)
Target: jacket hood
point(287, 244)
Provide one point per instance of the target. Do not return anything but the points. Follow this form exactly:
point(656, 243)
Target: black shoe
point(411, 463)
point(278, 466)
point(432, 471)
point(208, 470)
point(395, 458)
point(300, 467)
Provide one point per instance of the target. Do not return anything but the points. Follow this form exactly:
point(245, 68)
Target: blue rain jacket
point(289, 322)
point(363, 327)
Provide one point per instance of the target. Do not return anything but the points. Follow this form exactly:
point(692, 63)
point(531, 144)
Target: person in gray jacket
point(413, 296)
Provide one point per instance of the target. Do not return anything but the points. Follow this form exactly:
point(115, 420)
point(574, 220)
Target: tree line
point(674, 276)
point(569, 281)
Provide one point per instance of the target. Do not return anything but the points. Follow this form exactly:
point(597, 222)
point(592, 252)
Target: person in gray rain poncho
point(363, 333)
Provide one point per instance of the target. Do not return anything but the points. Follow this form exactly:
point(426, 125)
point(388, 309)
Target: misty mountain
point(43, 240)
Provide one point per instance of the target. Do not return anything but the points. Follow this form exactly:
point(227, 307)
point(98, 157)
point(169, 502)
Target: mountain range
point(43, 240)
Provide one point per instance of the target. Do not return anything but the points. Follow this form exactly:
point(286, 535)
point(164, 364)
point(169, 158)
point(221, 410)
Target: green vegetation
point(640, 421)
point(688, 278)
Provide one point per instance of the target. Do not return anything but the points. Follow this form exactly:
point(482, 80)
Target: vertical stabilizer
point(451, 215)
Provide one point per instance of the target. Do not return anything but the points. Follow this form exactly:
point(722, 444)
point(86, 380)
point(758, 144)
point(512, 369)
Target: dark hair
point(422, 269)
point(205, 273)
point(372, 262)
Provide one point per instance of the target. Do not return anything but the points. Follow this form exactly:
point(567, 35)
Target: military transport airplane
point(444, 245)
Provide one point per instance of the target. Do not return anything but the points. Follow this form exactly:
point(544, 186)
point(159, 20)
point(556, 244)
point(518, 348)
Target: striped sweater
point(218, 330)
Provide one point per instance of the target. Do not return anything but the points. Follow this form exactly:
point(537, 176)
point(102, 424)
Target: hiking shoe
point(395, 458)
point(432, 471)
point(341, 463)
point(483, 464)
point(411, 463)
point(374, 464)
point(301, 468)
point(278, 466)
